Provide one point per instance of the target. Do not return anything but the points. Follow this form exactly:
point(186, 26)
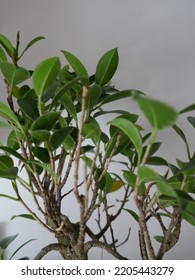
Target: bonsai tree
point(63, 154)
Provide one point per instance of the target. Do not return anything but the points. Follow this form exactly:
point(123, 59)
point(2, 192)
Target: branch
point(51, 247)
point(109, 249)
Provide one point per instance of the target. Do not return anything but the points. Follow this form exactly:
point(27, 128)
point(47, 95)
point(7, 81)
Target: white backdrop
point(156, 42)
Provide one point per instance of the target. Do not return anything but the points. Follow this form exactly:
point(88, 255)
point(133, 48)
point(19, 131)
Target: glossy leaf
point(29, 107)
point(42, 135)
point(106, 67)
point(13, 75)
point(159, 115)
point(166, 189)
point(59, 136)
point(42, 154)
point(46, 121)
point(12, 141)
point(45, 74)
point(3, 56)
point(9, 173)
point(31, 43)
point(69, 105)
point(131, 131)
point(146, 174)
point(7, 113)
point(156, 161)
point(13, 153)
point(7, 45)
point(6, 162)
point(159, 238)
point(76, 64)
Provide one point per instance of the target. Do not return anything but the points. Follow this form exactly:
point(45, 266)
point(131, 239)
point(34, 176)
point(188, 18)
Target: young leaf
point(159, 115)
point(106, 67)
point(5, 242)
point(45, 74)
point(26, 216)
point(120, 95)
point(131, 131)
point(133, 214)
point(188, 109)
point(7, 45)
point(13, 75)
point(31, 43)
point(77, 65)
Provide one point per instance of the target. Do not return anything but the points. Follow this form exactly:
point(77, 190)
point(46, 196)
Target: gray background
point(156, 43)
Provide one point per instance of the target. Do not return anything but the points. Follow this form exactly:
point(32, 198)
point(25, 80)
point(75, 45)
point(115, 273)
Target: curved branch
point(109, 249)
point(51, 247)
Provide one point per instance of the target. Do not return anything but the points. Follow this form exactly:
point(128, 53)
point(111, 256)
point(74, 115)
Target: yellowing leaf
point(117, 184)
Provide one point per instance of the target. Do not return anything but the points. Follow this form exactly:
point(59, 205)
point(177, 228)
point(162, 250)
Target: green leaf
point(29, 107)
point(13, 75)
point(62, 92)
point(93, 95)
point(159, 238)
point(42, 154)
point(9, 197)
point(156, 161)
point(13, 153)
point(192, 121)
point(147, 175)
point(7, 45)
point(106, 67)
point(180, 133)
point(46, 121)
point(69, 105)
point(159, 115)
point(45, 74)
point(12, 141)
point(26, 216)
point(6, 162)
point(31, 43)
point(188, 109)
point(41, 134)
point(77, 65)
point(100, 113)
point(7, 113)
point(24, 258)
point(9, 173)
point(5, 242)
point(2, 55)
point(131, 131)
point(133, 214)
point(166, 189)
point(120, 95)
point(59, 136)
